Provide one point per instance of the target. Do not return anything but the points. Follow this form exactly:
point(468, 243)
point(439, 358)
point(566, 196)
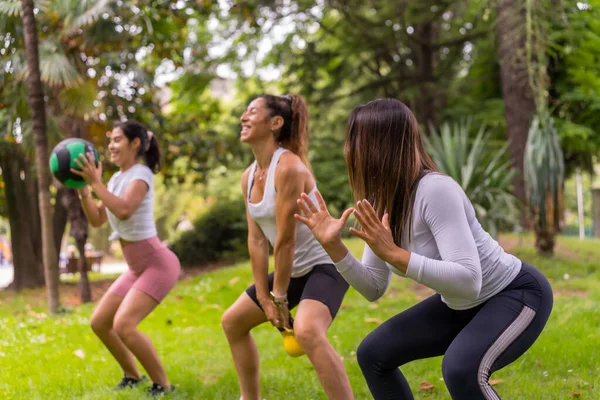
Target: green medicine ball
point(61, 161)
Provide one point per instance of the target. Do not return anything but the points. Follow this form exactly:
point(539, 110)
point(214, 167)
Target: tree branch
point(410, 81)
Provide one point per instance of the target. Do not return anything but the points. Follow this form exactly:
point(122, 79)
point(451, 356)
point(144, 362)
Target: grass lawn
point(45, 357)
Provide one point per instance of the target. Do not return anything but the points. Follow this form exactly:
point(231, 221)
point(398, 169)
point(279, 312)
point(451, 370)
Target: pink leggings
point(153, 269)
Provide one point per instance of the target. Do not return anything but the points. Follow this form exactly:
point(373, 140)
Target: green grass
point(38, 361)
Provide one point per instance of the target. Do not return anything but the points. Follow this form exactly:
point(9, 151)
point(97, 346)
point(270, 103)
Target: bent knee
point(367, 353)
point(123, 328)
point(309, 335)
point(100, 324)
point(232, 322)
point(459, 373)
point(375, 354)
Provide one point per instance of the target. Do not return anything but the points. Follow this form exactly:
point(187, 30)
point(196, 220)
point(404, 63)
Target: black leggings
point(474, 342)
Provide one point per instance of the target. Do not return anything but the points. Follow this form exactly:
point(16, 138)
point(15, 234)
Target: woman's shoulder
point(291, 172)
point(290, 165)
point(436, 182)
point(142, 169)
point(436, 187)
point(139, 172)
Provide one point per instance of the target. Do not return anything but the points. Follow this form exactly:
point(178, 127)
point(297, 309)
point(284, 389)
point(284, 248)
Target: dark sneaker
point(127, 382)
point(157, 390)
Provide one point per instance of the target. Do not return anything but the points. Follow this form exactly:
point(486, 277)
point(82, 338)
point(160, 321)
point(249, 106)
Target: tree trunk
point(425, 107)
point(544, 242)
point(519, 105)
point(596, 212)
point(79, 232)
point(75, 127)
point(85, 290)
point(35, 99)
point(60, 219)
point(27, 262)
point(35, 220)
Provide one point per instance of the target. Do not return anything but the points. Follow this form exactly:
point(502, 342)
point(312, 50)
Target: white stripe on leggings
point(511, 333)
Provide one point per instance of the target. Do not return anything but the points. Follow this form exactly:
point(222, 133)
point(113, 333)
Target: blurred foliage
point(220, 233)
point(187, 69)
point(483, 171)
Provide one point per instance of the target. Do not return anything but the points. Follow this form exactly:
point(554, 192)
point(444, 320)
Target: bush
point(221, 233)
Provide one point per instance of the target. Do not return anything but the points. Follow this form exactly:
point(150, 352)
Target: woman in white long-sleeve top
point(489, 308)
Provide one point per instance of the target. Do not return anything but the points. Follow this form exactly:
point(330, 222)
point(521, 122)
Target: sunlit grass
point(38, 353)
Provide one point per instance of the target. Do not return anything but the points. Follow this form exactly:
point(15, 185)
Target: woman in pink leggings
point(127, 203)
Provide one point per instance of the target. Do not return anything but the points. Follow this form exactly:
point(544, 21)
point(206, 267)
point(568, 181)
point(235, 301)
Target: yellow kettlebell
point(290, 343)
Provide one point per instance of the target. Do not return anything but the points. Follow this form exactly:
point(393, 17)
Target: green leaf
point(79, 100)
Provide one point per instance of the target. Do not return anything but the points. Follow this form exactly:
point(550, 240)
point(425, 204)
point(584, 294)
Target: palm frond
point(10, 8)
point(57, 71)
point(88, 13)
point(52, 131)
point(79, 100)
point(544, 174)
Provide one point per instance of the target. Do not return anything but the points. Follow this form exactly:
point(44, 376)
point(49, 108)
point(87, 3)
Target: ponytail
point(294, 133)
point(151, 156)
point(149, 150)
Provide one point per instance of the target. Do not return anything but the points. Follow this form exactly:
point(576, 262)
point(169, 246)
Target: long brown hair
point(386, 159)
point(293, 135)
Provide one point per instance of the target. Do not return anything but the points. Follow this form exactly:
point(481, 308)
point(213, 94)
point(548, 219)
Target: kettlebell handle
point(291, 325)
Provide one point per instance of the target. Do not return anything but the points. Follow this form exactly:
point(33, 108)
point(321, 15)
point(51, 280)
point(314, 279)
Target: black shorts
point(323, 284)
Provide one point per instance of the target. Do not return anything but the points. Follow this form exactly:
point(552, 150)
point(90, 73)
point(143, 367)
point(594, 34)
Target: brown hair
point(386, 159)
point(293, 135)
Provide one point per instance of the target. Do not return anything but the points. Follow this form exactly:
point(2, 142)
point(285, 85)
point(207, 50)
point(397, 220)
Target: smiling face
point(122, 151)
point(257, 123)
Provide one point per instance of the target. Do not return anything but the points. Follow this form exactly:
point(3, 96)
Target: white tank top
point(308, 251)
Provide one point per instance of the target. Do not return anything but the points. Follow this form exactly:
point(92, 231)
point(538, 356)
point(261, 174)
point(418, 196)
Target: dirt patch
point(69, 291)
point(69, 294)
point(510, 243)
point(566, 252)
point(513, 243)
point(190, 272)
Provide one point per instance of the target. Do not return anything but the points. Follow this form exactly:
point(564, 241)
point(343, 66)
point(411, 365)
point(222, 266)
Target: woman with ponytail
point(276, 128)
point(127, 203)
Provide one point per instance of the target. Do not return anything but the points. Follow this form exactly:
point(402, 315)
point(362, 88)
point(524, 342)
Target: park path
point(6, 271)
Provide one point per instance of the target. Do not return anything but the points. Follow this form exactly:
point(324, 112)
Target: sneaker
point(127, 382)
point(157, 390)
